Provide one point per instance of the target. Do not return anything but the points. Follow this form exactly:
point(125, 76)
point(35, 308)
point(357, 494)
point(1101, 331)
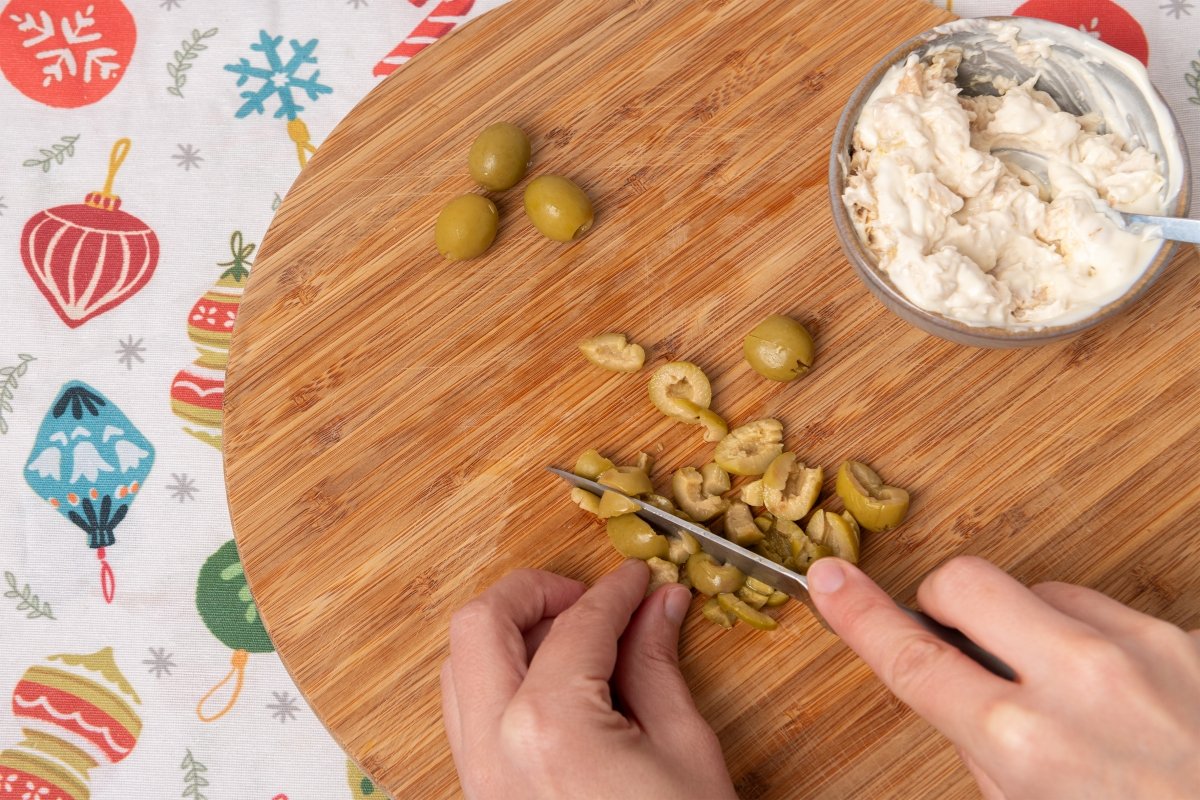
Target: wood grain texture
point(388, 414)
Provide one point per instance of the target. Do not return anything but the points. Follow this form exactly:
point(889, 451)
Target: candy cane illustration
point(443, 18)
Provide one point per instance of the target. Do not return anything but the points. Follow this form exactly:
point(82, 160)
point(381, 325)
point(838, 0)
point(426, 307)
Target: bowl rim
point(866, 263)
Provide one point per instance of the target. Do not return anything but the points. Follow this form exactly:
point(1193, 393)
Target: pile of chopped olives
point(498, 161)
point(763, 514)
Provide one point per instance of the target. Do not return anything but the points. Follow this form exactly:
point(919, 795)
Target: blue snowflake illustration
point(278, 77)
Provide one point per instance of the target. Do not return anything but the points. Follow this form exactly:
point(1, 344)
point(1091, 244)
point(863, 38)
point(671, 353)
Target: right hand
point(1106, 703)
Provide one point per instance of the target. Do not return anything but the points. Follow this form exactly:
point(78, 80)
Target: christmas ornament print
point(197, 391)
point(66, 53)
point(88, 462)
point(444, 17)
point(279, 78)
point(89, 257)
point(76, 713)
point(228, 610)
point(1104, 19)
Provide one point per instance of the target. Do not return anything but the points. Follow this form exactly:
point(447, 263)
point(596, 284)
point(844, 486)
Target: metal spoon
point(1033, 166)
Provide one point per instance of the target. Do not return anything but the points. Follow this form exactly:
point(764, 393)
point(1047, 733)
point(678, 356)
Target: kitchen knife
point(779, 577)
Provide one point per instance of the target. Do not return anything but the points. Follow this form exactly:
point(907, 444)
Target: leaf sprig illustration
point(30, 603)
point(10, 375)
point(189, 50)
point(193, 777)
point(57, 153)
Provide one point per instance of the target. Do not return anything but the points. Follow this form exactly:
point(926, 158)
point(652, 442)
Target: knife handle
point(956, 638)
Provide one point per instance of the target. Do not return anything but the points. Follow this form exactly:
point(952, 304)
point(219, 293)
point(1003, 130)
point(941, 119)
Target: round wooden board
point(389, 414)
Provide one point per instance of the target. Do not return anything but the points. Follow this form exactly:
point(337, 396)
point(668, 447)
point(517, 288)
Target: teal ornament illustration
point(89, 461)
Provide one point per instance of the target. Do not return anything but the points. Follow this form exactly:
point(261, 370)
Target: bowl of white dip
point(952, 236)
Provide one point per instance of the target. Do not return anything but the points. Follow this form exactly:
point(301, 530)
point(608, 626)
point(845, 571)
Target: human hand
point(555, 690)
point(1107, 700)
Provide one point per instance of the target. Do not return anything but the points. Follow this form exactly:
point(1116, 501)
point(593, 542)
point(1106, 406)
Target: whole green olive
point(466, 227)
point(499, 156)
point(779, 348)
point(558, 208)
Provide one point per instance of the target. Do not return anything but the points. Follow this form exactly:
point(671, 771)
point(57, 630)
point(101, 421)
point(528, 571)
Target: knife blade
point(779, 577)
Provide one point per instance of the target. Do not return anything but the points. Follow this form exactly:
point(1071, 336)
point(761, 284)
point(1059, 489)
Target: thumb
point(647, 675)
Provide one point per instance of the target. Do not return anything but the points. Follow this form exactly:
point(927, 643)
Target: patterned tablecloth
point(146, 144)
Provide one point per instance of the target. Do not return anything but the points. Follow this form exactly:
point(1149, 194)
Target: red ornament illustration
point(442, 18)
point(89, 257)
point(66, 53)
point(1102, 18)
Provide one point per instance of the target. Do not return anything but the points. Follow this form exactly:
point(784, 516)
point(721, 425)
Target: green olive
point(629, 480)
point(586, 500)
point(713, 612)
point(739, 526)
point(789, 488)
point(687, 485)
point(777, 599)
point(466, 227)
point(751, 616)
point(662, 572)
point(876, 506)
point(614, 504)
point(558, 208)
point(752, 598)
point(712, 578)
point(499, 156)
point(680, 389)
point(749, 449)
point(834, 532)
point(779, 348)
point(592, 465)
point(633, 538)
point(680, 548)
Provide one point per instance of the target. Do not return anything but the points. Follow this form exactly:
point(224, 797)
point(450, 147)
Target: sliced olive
point(739, 526)
point(680, 380)
point(775, 546)
point(681, 547)
point(499, 156)
point(790, 489)
point(716, 480)
point(466, 227)
point(714, 612)
point(752, 494)
point(633, 538)
point(586, 500)
point(558, 208)
point(764, 522)
point(614, 352)
point(614, 504)
point(715, 426)
point(755, 585)
point(591, 465)
point(662, 572)
point(629, 480)
point(876, 506)
point(805, 551)
point(644, 462)
point(688, 487)
point(752, 598)
point(751, 616)
point(832, 531)
point(777, 599)
point(749, 449)
point(779, 348)
point(711, 578)
point(658, 501)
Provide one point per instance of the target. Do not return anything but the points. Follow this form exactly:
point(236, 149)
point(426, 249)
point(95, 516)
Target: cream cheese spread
point(966, 235)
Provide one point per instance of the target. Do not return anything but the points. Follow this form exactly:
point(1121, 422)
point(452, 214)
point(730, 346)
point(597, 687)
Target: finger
point(647, 675)
point(935, 679)
point(998, 613)
point(1098, 610)
point(988, 789)
point(487, 643)
point(581, 648)
point(450, 710)
point(535, 636)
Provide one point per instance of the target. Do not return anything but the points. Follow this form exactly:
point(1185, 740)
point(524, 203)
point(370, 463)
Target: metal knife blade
point(749, 562)
point(782, 579)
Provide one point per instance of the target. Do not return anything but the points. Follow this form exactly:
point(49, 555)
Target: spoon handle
point(1174, 228)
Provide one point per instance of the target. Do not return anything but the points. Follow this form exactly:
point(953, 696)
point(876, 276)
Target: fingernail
point(826, 576)
point(676, 603)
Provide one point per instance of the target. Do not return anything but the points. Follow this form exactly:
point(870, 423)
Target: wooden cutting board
point(389, 413)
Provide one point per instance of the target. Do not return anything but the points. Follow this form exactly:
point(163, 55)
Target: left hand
point(554, 690)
